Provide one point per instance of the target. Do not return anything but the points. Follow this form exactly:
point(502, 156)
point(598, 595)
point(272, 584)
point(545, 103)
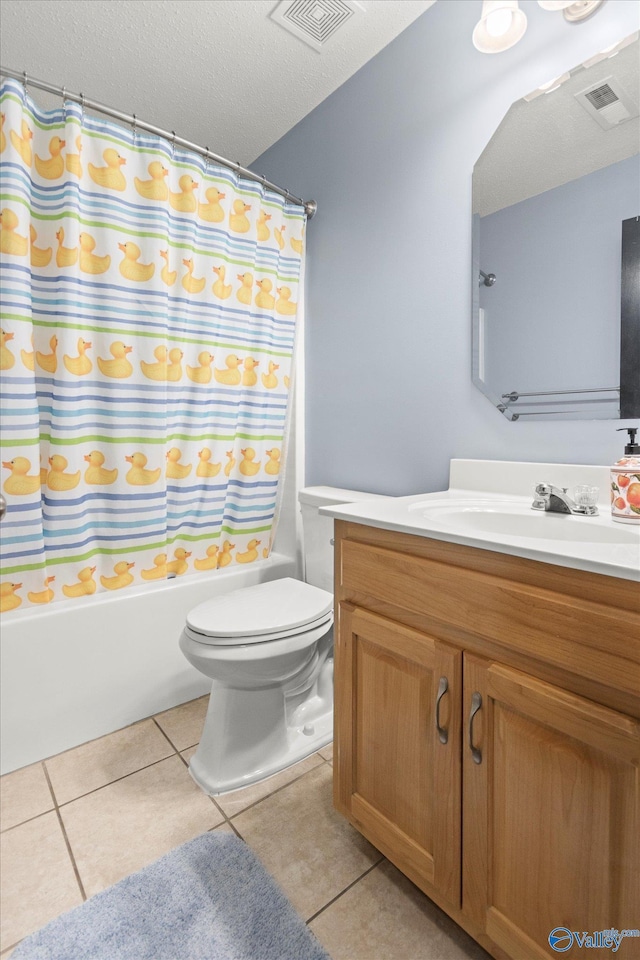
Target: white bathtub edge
point(77, 671)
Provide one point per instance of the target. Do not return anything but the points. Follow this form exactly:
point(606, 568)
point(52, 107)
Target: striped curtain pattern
point(149, 307)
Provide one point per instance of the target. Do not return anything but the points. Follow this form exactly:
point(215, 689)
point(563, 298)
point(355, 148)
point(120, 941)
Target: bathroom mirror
point(556, 247)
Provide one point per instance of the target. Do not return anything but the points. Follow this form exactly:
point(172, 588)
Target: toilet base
point(297, 746)
point(257, 725)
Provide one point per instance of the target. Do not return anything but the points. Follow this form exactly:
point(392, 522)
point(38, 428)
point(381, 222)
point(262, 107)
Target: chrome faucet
point(557, 500)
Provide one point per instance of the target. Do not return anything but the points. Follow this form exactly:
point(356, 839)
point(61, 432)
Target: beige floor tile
point(128, 824)
point(327, 752)
point(238, 800)
point(24, 794)
point(38, 881)
point(385, 917)
point(183, 724)
point(311, 851)
point(102, 761)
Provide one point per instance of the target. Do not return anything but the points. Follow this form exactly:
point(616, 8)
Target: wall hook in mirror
point(488, 279)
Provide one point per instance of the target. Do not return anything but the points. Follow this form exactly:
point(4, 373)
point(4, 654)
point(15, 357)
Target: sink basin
point(488, 507)
point(510, 519)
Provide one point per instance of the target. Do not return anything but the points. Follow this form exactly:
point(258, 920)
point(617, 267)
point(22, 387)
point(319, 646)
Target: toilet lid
point(266, 609)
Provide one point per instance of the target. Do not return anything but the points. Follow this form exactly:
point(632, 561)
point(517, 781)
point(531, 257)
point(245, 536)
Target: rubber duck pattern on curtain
point(149, 306)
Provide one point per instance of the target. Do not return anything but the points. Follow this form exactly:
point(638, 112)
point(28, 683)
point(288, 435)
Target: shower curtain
point(149, 306)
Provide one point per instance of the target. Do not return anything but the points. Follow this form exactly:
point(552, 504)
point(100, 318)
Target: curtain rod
point(310, 206)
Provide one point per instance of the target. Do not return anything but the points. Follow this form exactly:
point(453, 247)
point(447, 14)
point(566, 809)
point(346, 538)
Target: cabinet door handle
point(476, 703)
point(443, 686)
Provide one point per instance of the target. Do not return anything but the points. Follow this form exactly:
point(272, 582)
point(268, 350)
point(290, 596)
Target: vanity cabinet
point(392, 781)
point(487, 734)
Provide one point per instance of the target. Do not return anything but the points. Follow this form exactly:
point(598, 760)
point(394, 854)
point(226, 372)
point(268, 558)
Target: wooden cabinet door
point(550, 815)
point(397, 745)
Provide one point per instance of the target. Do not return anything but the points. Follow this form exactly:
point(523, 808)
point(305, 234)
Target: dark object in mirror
point(630, 320)
point(556, 312)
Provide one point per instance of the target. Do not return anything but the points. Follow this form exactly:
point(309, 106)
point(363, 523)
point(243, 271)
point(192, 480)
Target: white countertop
point(502, 485)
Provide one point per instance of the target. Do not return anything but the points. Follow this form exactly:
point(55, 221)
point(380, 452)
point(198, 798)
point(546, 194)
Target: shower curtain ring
point(24, 80)
point(82, 108)
point(173, 143)
point(207, 158)
point(133, 125)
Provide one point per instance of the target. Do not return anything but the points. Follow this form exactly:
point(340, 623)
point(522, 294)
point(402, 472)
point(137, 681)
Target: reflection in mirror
point(555, 194)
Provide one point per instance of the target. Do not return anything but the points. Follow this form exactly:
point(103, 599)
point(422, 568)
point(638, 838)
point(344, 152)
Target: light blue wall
point(389, 157)
point(557, 259)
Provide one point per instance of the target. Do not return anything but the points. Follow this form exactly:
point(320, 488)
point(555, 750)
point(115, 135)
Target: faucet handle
point(545, 489)
point(586, 495)
point(542, 493)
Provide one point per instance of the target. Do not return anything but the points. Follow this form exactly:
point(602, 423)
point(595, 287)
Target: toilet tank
point(318, 530)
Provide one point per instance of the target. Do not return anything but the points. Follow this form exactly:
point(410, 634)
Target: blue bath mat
point(211, 898)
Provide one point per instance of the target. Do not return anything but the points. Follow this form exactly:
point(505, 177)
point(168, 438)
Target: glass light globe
point(498, 22)
point(501, 24)
point(554, 4)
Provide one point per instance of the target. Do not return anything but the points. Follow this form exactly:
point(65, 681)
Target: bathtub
point(82, 668)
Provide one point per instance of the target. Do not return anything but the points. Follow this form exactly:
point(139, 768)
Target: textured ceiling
point(220, 73)
point(552, 139)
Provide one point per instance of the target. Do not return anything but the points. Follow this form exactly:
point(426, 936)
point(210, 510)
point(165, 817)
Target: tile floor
point(84, 819)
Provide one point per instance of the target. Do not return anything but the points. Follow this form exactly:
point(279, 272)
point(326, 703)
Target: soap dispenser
point(625, 482)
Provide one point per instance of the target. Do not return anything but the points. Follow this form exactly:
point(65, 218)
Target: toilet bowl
point(271, 698)
point(268, 650)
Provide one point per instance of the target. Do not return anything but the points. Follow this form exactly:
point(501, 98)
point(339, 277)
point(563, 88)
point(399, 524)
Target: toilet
point(268, 650)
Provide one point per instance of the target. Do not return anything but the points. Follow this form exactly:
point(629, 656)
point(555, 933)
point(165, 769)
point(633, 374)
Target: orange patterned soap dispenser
point(625, 482)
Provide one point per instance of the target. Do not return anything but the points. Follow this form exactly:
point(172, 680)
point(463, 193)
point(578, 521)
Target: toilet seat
point(263, 613)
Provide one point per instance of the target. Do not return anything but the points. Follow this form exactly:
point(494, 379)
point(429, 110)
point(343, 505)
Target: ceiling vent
point(607, 103)
point(315, 22)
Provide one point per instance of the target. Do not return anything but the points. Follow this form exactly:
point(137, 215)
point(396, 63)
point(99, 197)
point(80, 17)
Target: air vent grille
point(607, 103)
point(601, 96)
point(315, 21)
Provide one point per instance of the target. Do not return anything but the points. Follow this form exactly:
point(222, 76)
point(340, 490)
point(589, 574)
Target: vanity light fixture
point(501, 25)
point(573, 10)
